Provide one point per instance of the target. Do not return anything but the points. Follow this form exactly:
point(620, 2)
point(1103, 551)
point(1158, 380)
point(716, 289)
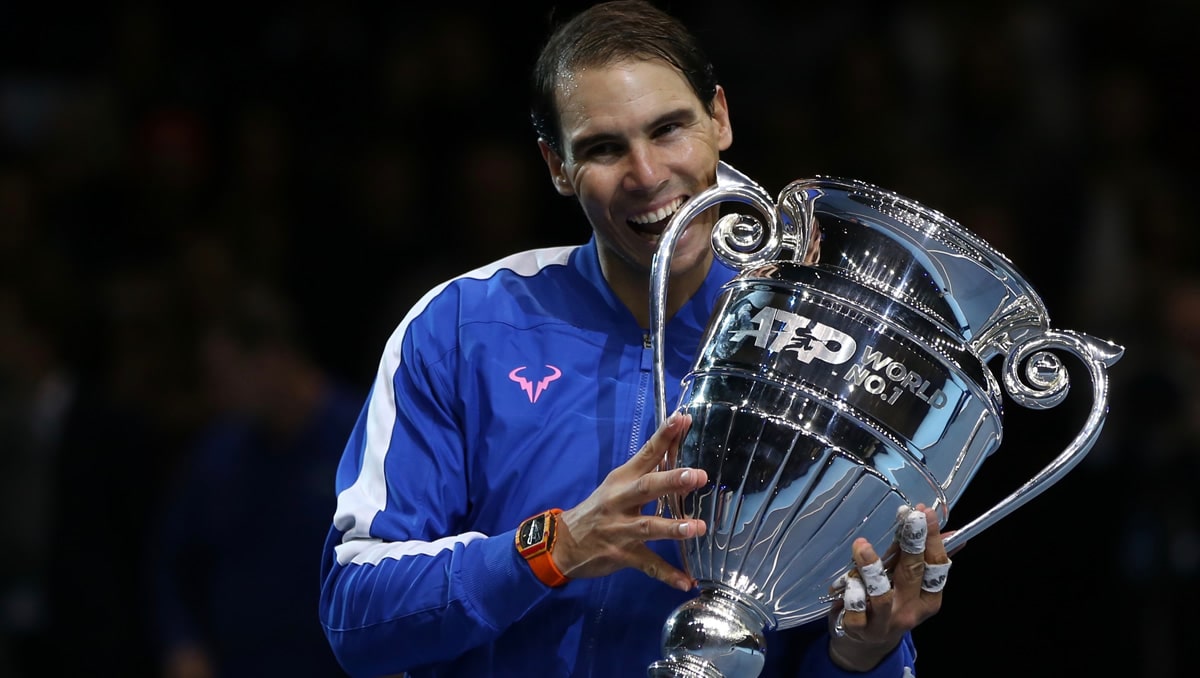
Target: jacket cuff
point(499, 584)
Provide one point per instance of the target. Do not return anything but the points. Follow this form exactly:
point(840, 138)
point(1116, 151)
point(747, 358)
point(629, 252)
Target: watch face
point(536, 535)
point(532, 532)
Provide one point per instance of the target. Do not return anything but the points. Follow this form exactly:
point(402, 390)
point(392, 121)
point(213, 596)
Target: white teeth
point(658, 214)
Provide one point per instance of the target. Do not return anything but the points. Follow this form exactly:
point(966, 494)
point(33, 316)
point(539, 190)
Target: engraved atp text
point(876, 371)
point(777, 331)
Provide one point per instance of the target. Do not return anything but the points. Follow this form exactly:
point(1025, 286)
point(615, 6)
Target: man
point(526, 385)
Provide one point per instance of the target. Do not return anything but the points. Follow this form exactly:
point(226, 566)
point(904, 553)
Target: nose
point(645, 170)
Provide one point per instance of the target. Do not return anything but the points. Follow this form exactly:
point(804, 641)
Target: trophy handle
point(1045, 385)
point(739, 240)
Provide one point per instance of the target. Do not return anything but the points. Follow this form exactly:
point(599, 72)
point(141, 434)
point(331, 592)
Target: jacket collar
point(693, 316)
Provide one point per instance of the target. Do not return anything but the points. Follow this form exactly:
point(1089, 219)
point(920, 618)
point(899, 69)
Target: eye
point(667, 129)
point(606, 149)
point(603, 151)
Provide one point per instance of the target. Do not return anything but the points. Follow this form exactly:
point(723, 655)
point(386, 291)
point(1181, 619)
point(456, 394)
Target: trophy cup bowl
point(845, 374)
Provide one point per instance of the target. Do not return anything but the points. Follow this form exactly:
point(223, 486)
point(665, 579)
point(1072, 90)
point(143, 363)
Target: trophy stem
point(718, 634)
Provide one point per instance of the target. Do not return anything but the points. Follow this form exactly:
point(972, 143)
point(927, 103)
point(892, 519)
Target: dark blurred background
point(212, 219)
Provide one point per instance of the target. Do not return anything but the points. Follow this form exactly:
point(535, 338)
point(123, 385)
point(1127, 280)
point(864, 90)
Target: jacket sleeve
point(402, 585)
point(901, 663)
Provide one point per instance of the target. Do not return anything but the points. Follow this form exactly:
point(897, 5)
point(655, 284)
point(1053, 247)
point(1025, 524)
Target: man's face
point(637, 143)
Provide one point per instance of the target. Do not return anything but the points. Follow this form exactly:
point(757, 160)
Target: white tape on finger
point(912, 530)
point(839, 585)
point(934, 579)
point(875, 578)
point(855, 595)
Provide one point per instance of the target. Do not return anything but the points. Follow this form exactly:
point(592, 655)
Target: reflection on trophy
point(836, 385)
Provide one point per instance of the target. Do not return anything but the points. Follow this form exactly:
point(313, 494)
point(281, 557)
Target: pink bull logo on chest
point(534, 391)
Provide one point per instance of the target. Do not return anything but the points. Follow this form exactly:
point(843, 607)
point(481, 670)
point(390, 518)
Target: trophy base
point(683, 666)
point(718, 634)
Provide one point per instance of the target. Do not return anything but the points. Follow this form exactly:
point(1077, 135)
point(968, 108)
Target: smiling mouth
point(652, 224)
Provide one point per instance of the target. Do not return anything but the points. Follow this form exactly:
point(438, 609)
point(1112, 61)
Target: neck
point(633, 289)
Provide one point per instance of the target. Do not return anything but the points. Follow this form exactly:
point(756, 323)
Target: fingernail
point(685, 529)
point(687, 474)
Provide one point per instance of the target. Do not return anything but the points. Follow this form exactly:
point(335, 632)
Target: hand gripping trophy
point(844, 377)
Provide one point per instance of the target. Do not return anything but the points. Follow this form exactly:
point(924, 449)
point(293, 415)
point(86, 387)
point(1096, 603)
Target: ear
point(721, 117)
point(558, 175)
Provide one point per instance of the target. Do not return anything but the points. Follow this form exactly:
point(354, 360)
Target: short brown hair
point(604, 34)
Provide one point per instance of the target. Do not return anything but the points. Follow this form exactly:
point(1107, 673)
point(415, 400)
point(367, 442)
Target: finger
point(652, 454)
point(937, 561)
point(876, 585)
point(874, 577)
point(935, 544)
point(837, 607)
point(912, 530)
point(853, 617)
point(912, 535)
point(652, 565)
point(675, 482)
point(650, 528)
point(933, 579)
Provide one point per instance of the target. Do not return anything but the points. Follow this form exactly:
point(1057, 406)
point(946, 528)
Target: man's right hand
point(608, 531)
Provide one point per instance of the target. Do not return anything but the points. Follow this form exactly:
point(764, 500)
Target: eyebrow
point(683, 113)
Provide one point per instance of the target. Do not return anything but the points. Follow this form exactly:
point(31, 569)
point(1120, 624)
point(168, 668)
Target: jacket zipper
point(645, 374)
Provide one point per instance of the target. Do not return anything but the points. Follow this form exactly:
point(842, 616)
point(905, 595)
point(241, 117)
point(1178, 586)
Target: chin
point(694, 244)
point(687, 259)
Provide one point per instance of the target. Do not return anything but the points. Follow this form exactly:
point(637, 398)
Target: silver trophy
point(846, 373)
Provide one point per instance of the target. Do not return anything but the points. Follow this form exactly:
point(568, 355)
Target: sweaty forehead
point(621, 93)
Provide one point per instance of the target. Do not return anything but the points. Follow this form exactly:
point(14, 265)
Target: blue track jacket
point(512, 389)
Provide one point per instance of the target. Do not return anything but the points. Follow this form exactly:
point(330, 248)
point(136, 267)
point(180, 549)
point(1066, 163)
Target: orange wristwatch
point(535, 542)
